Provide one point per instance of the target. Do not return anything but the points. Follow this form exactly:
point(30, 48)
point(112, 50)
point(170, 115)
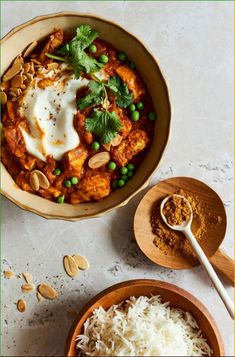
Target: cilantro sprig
point(121, 91)
point(74, 52)
point(95, 95)
point(105, 124)
point(98, 89)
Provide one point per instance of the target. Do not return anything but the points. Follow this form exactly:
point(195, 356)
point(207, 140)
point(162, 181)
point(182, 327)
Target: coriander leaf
point(94, 97)
point(64, 50)
point(105, 125)
point(74, 51)
point(121, 91)
point(81, 61)
point(85, 36)
point(88, 63)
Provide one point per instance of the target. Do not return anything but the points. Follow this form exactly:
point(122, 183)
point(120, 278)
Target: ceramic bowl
point(38, 28)
point(177, 297)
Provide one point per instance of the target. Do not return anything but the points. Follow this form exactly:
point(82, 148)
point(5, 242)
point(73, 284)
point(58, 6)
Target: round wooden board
point(210, 241)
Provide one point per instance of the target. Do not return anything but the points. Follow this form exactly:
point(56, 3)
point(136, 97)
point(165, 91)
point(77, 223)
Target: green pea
point(103, 59)
point(124, 178)
point(140, 106)
point(60, 199)
point(112, 165)
point(92, 48)
point(131, 107)
point(115, 184)
point(130, 167)
point(121, 183)
point(124, 170)
point(122, 56)
point(130, 174)
point(132, 65)
point(95, 145)
point(57, 171)
point(74, 180)
point(152, 116)
point(135, 115)
point(67, 183)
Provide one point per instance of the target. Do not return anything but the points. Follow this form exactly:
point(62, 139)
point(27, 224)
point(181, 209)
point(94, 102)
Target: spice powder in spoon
point(176, 210)
point(172, 242)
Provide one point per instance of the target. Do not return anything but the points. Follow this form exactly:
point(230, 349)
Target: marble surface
point(193, 42)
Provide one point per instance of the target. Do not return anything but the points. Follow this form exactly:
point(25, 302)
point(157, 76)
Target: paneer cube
point(93, 186)
point(15, 140)
point(55, 41)
point(136, 141)
point(133, 82)
point(125, 121)
point(74, 160)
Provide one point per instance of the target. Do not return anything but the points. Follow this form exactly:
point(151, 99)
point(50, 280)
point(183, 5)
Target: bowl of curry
point(85, 116)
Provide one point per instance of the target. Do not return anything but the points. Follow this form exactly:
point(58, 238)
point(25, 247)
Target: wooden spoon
point(211, 239)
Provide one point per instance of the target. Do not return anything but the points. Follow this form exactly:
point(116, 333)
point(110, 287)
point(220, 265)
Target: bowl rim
point(75, 218)
point(146, 282)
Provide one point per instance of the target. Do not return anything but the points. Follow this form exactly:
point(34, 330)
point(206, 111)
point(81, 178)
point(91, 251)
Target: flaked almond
point(27, 288)
point(18, 59)
point(98, 160)
point(116, 140)
point(16, 91)
point(39, 296)
point(36, 61)
point(8, 274)
point(13, 94)
point(42, 179)
point(27, 277)
point(34, 181)
point(82, 262)
point(17, 81)
point(47, 291)
point(70, 266)
point(42, 70)
point(23, 86)
point(12, 72)
point(51, 73)
point(21, 305)
point(3, 97)
point(107, 146)
point(29, 76)
point(14, 99)
point(32, 69)
point(30, 48)
point(27, 67)
point(52, 65)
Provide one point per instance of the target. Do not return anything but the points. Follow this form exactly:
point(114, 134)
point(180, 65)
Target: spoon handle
point(224, 265)
point(208, 267)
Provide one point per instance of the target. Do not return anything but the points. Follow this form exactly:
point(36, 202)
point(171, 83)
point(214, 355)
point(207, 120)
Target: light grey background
point(193, 43)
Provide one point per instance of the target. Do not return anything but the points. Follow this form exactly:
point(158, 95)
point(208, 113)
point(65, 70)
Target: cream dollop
point(49, 113)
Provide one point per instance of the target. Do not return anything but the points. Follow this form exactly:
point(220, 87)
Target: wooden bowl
point(16, 40)
point(178, 298)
